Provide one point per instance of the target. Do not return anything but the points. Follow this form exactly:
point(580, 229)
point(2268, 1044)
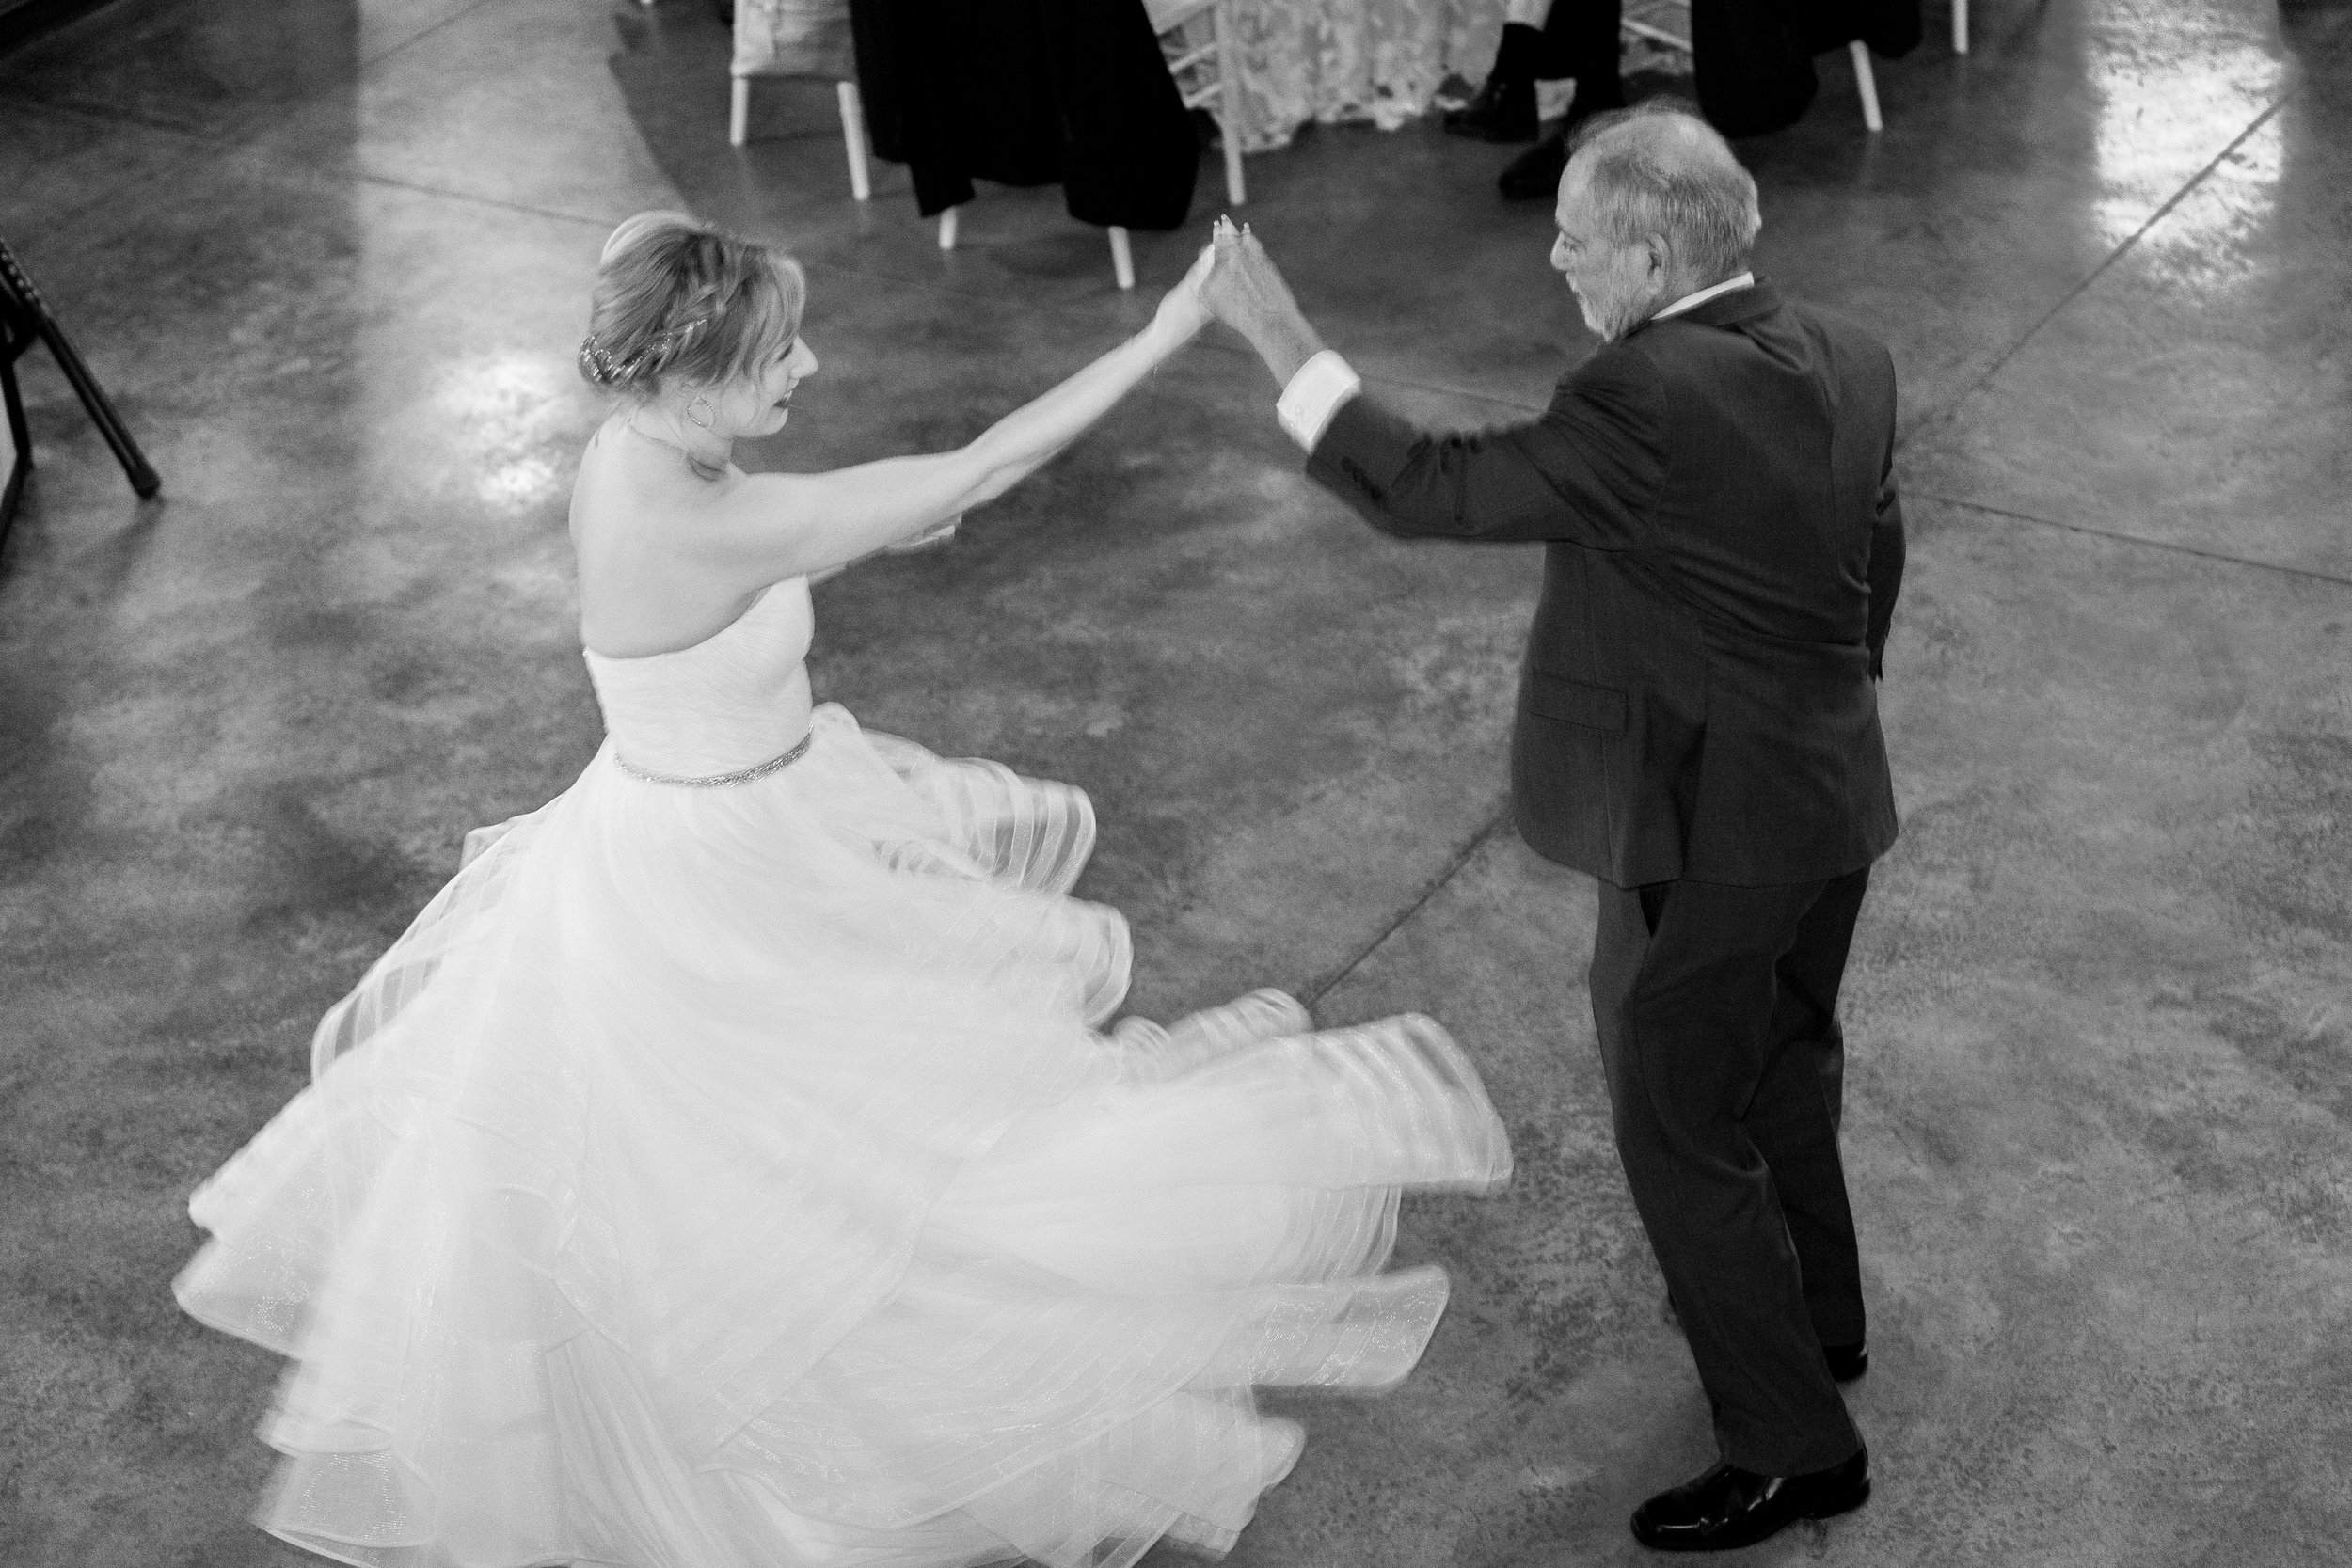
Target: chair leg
point(947, 228)
point(1123, 258)
point(1959, 26)
point(1867, 81)
point(740, 112)
point(853, 138)
point(1227, 104)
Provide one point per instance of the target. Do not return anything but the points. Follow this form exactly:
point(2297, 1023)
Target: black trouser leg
point(1580, 40)
point(1519, 53)
point(1686, 1015)
point(1795, 1115)
point(1504, 110)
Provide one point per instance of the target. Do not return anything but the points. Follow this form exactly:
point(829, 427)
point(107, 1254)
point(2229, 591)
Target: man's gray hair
point(1659, 169)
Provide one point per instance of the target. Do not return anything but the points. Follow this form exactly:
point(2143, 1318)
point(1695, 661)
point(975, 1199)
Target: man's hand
point(1226, 292)
point(1245, 289)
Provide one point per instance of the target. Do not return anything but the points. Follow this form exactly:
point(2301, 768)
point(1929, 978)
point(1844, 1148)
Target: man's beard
point(1612, 318)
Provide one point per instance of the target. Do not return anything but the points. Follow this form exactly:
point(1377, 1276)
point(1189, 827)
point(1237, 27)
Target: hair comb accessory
point(602, 368)
point(596, 362)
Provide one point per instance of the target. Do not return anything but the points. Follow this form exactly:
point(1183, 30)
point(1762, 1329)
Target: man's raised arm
point(1579, 473)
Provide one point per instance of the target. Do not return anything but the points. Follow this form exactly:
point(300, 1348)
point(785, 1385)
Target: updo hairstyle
point(678, 298)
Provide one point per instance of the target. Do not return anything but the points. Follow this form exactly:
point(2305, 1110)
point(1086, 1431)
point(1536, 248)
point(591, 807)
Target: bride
point(730, 1167)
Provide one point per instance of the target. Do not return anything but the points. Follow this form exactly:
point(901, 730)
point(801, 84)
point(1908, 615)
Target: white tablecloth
point(1336, 60)
point(1300, 60)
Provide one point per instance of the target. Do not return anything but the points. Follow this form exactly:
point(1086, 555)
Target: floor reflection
point(2170, 86)
point(508, 405)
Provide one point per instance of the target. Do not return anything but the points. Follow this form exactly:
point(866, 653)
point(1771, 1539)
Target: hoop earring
point(702, 411)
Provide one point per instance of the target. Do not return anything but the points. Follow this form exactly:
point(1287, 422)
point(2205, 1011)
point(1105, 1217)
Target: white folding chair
point(853, 128)
point(1194, 35)
point(813, 41)
point(1642, 21)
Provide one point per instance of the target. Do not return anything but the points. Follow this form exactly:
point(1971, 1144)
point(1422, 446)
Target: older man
point(1698, 729)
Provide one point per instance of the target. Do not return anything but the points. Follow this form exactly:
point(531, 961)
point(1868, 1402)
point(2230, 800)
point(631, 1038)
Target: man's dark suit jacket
point(1724, 545)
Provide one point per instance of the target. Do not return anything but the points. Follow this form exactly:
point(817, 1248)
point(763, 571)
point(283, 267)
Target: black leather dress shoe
point(1847, 1362)
point(1502, 111)
point(1534, 174)
point(1729, 1507)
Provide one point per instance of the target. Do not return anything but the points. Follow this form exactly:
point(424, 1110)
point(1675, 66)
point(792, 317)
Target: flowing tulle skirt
point(740, 1176)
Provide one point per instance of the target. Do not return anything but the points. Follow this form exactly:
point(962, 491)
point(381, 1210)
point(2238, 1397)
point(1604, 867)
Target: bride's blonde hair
point(680, 298)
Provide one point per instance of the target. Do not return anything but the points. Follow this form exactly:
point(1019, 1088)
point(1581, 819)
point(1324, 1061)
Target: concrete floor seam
point(116, 115)
point(525, 209)
point(1952, 410)
point(1495, 823)
point(2124, 538)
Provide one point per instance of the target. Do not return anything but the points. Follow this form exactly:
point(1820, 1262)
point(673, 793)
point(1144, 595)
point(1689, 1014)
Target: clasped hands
point(1236, 282)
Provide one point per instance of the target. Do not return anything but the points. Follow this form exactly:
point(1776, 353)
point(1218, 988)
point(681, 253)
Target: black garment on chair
point(1752, 59)
point(1027, 92)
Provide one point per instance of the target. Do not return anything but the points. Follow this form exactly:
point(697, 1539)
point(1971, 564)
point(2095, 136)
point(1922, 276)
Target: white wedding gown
point(736, 1177)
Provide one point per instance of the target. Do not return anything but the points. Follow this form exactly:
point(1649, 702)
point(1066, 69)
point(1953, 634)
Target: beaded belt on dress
point(743, 775)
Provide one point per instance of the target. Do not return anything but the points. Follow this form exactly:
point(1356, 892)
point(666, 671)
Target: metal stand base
point(24, 320)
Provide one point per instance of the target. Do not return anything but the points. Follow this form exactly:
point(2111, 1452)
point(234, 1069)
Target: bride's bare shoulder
point(618, 488)
point(638, 592)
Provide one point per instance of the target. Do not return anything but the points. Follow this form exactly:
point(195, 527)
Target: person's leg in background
point(1504, 110)
point(1578, 41)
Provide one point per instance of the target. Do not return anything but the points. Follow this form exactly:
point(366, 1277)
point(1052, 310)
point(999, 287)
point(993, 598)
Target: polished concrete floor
point(332, 258)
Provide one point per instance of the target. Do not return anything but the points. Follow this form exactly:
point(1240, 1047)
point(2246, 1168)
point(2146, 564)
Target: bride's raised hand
point(1182, 314)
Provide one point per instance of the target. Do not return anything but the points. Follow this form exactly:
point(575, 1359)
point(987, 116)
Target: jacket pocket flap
point(1596, 707)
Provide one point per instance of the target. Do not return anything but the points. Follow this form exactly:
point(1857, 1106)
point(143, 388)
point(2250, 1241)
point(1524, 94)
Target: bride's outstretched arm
point(770, 527)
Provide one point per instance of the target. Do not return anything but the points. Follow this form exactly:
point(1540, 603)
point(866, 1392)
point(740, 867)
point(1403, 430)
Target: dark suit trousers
point(1716, 1008)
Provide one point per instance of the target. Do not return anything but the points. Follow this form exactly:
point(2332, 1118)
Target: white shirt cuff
point(1314, 394)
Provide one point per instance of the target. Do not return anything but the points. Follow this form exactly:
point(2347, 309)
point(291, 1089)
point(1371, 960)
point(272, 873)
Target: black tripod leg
point(143, 478)
point(20, 442)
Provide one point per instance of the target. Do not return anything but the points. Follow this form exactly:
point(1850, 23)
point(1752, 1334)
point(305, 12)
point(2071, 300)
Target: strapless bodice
point(733, 700)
